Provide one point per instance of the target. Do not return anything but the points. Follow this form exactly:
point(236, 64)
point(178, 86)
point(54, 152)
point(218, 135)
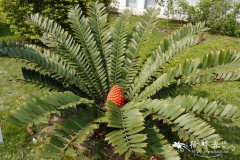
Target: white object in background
point(138, 7)
point(150, 3)
point(1, 137)
point(132, 3)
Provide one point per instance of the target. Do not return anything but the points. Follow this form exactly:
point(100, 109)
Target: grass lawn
point(16, 140)
point(18, 143)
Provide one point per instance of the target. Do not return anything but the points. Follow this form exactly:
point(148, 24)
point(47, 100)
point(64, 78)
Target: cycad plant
point(101, 85)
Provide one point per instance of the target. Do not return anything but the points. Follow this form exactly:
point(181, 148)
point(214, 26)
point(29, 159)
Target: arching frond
point(170, 47)
point(98, 20)
point(44, 59)
point(83, 33)
point(58, 49)
point(158, 145)
point(38, 107)
point(118, 52)
point(68, 45)
point(220, 66)
point(41, 80)
point(63, 53)
point(57, 34)
point(141, 33)
point(129, 123)
point(214, 67)
point(188, 126)
point(208, 109)
point(73, 130)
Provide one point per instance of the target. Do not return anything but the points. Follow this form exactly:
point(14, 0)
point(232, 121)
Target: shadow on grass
point(174, 90)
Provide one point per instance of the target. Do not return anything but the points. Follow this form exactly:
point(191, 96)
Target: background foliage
point(56, 10)
point(220, 15)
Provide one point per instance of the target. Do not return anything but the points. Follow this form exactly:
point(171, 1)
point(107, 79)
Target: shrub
point(18, 10)
point(103, 89)
point(220, 15)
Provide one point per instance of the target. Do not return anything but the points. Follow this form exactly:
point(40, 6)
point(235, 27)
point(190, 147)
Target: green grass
point(227, 92)
point(231, 90)
point(17, 142)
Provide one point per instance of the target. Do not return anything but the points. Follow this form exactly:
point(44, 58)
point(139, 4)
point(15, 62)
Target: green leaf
point(73, 130)
point(71, 153)
point(44, 60)
point(72, 51)
point(127, 138)
point(98, 20)
point(83, 33)
point(191, 72)
point(187, 125)
point(158, 146)
point(39, 107)
point(41, 80)
point(169, 48)
point(141, 33)
point(204, 107)
point(118, 52)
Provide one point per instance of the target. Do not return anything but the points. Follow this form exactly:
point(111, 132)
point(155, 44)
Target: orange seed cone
point(116, 95)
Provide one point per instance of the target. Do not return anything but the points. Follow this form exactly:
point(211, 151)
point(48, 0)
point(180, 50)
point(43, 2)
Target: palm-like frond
point(118, 54)
point(188, 126)
point(45, 60)
point(158, 145)
point(41, 80)
point(133, 61)
point(98, 20)
point(128, 137)
point(208, 109)
point(59, 37)
point(172, 46)
point(73, 53)
point(214, 66)
point(83, 33)
point(74, 130)
point(38, 107)
point(223, 66)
